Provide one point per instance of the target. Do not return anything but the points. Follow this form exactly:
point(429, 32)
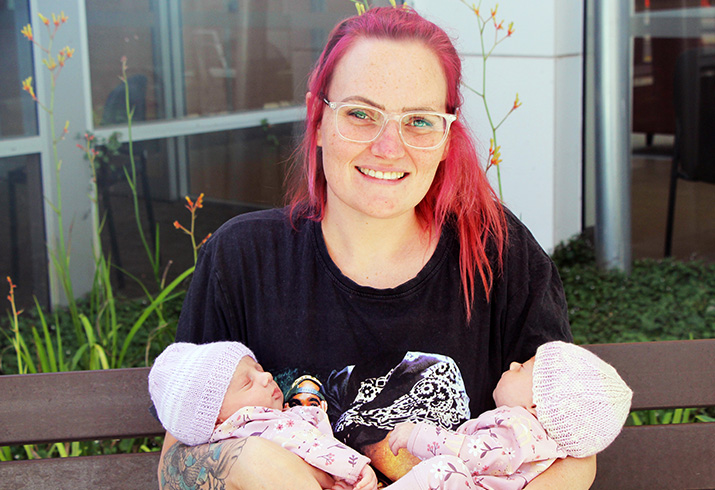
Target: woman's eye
point(418, 121)
point(359, 114)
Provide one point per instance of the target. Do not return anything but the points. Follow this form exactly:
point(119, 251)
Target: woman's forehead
point(396, 75)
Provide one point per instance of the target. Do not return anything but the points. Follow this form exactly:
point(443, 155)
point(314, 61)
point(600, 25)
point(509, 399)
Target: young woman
point(393, 241)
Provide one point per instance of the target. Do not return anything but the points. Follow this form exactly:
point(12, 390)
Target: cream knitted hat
point(187, 384)
point(580, 399)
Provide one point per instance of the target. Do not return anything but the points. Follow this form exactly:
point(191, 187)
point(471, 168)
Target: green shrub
point(660, 300)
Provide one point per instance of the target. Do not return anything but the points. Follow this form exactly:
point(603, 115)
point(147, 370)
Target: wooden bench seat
point(89, 405)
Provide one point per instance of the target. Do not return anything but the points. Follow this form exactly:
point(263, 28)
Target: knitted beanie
point(581, 401)
point(187, 384)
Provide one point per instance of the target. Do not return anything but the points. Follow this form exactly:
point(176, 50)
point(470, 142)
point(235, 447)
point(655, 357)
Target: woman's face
point(383, 178)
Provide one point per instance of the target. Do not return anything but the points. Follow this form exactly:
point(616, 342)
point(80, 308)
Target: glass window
point(206, 57)
point(245, 166)
point(131, 29)
point(18, 116)
point(22, 250)
point(673, 118)
point(237, 171)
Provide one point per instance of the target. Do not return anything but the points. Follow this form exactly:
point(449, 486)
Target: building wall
point(541, 141)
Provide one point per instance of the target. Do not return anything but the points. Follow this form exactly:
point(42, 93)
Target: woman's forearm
point(249, 463)
point(566, 474)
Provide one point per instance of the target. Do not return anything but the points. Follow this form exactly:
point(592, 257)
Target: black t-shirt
point(273, 286)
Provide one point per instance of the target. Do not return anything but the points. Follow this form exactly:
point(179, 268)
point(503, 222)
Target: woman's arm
point(238, 464)
point(566, 474)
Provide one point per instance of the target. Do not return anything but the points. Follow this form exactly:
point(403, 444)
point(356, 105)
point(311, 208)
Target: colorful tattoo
point(203, 467)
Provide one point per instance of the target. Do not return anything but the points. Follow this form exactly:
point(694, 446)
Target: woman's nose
point(514, 365)
point(389, 143)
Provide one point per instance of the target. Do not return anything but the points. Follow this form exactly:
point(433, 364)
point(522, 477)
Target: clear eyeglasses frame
point(360, 123)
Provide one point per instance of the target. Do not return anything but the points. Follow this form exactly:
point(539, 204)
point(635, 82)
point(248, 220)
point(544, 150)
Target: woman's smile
point(382, 175)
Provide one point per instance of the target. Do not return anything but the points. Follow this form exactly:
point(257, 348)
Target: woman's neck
point(376, 252)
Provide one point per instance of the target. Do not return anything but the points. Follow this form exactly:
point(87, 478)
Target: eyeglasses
point(363, 124)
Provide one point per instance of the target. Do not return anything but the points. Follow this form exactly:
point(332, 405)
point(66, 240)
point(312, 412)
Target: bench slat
point(76, 406)
point(135, 471)
point(667, 374)
point(659, 456)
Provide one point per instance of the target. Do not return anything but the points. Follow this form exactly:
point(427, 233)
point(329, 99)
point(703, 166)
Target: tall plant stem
point(153, 257)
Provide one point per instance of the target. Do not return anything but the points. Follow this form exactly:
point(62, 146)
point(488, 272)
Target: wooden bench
point(89, 405)
point(76, 406)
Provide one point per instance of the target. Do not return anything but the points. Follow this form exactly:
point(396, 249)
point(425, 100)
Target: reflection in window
point(119, 28)
point(206, 57)
point(18, 115)
point(22, 249)
point(246, 166)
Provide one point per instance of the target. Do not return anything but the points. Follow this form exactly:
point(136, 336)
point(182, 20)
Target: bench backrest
point(76, 406)
point(674, 374)
point(91, 405)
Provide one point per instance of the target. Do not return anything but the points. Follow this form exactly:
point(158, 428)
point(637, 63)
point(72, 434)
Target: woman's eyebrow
point(365, 100)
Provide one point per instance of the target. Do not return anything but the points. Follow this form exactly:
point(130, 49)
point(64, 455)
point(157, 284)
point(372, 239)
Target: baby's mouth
point(377, 174)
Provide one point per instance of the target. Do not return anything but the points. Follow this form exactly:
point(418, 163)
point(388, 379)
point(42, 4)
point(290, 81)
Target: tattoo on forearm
point(204, 467)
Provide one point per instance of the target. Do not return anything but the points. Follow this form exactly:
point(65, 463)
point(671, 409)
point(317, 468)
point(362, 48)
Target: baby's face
point(514, 387)
point(250, 386)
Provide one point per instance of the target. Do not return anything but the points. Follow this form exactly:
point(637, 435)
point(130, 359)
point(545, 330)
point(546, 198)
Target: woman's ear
point(319, 133)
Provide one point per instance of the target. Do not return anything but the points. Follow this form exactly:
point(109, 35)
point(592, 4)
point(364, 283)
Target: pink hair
point(460, 192)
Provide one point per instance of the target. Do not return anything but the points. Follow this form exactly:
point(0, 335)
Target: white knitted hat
point(187, 384)
point(580, 399)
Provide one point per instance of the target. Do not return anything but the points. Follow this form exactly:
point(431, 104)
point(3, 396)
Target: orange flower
point(60, 19)
point(200, 201)
point(510, 31)
point(27, 87)
point(50, 63)
point(178, 226)
point(517, 102)
point(500, 26)
point(494, 153)
point(44, 19)
point(11, 296)
point(494, 10)
point(193, 206)
point(27, 32)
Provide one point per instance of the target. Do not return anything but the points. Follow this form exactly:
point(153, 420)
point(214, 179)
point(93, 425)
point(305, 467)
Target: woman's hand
point(237, 464)
point(566, 474)
point(400, 435)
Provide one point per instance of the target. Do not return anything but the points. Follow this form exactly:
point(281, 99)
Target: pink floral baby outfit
point(304, 431)
point(502, 449)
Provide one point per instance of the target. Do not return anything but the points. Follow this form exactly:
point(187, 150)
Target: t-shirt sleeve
point(535, 309)
point(207, 315)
